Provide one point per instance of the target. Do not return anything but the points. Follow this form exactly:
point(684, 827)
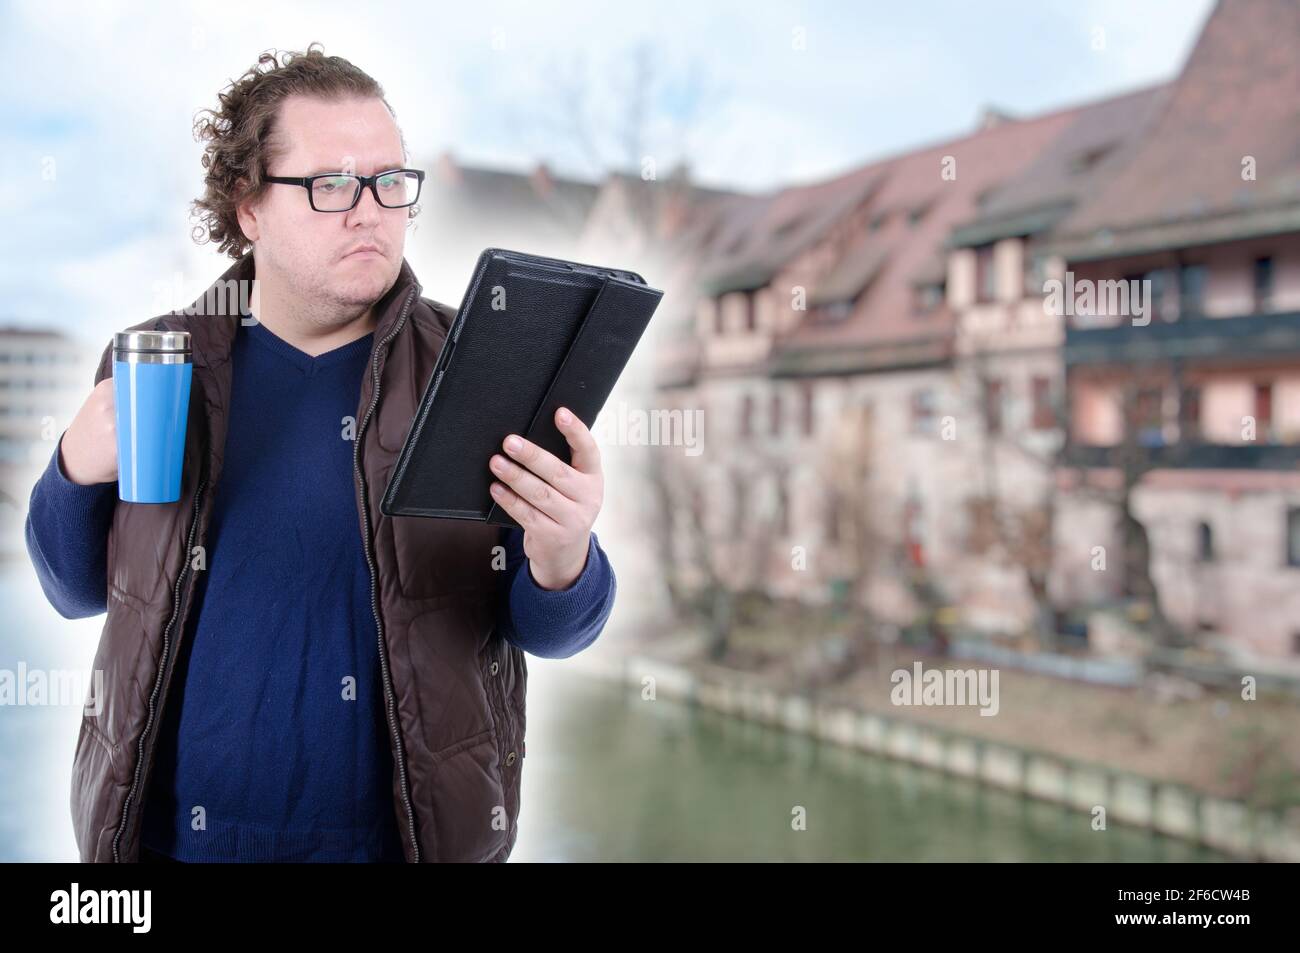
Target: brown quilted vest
point(454, 687)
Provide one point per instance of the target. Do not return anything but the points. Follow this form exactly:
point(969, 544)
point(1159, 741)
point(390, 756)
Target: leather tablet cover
point(532, 334)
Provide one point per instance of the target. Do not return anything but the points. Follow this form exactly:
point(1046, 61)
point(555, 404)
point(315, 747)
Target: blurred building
point(668, 229)
point(1193, 420)
point(891, 392)
point(1010, 375)
point(43, 377)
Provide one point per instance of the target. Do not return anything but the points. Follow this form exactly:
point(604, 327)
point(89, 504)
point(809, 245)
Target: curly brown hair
point(240, 134)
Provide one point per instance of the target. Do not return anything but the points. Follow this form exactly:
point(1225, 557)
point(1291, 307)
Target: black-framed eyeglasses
point(341, 191)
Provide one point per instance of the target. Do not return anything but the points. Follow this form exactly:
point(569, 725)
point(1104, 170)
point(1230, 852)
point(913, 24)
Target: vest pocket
point(454, 749)
point(88, 728)
point(95, 796)
point(472, 820)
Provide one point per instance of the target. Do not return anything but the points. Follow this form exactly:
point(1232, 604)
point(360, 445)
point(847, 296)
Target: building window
point(1035, 274)
point(1150, 417)
point(788, 226)
point(699, 506)
point(985, 274)
point(926, 298)
point(783, 504)
point(1043, 414)
point(1088, 159)
point(914, 531)
point(740, 501)
point(1191, 291)
point(746, 416)
point(992, 395)
point(719, 323)
point(751, 311)
point(832, 513)
point(833, 311)
point(1204, 543)
point(1293, 536)
point(775, 413)
point(1156, 300)
point(1263, 284)
point(1264, 412)
point(807, 415)
point(923, 412)
point(981, 530)
point(1189, 414)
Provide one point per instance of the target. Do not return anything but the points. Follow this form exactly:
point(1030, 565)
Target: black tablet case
point(563, 337)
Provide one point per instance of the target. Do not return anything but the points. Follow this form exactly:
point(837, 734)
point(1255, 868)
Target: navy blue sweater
point(273, 745)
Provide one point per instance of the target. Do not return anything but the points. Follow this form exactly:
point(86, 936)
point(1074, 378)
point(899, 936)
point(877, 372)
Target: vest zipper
point(390, 699)
point(162, 669)
point(390, 706)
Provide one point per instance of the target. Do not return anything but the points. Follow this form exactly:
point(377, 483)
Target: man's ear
point(246, 212)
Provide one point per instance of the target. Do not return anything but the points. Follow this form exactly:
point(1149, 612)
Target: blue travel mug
point(151, 387)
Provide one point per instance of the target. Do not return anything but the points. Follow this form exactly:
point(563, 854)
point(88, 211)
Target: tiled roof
point(1102, 138)
point(1236, 101)
point(760, 234)
point(911, 211)
point(848, 278)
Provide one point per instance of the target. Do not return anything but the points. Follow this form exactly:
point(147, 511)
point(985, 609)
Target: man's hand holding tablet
point(555, 502)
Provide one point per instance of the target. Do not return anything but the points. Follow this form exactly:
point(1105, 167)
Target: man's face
point(315, 253)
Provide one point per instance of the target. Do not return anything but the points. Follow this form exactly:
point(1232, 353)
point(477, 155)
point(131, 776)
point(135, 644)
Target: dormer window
point(833, 311)
point(1088, 159)
point(926, 298)
point(786, 227)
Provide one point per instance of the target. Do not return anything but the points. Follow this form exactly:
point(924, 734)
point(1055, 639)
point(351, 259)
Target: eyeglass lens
point(334, 193)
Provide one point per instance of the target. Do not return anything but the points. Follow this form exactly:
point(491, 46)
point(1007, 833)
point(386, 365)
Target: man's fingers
point(525, 514)
point(545, 464)
point(532, 488)
point(585, 454)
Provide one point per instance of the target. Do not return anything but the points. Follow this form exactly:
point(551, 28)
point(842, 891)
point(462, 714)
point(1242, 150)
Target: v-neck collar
point(261, 334)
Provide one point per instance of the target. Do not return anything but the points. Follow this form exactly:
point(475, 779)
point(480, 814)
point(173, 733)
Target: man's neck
point(291, 321)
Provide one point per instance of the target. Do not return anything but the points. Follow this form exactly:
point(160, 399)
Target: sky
point(98, 163)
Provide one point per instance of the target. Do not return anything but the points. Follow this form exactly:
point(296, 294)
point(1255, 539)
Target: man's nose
point(366, 210)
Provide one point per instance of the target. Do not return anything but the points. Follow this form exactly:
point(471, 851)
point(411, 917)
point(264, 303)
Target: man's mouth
point(365, 251)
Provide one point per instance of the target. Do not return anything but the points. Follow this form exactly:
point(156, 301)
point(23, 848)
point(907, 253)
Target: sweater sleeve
point(556, 623)
point(67, 540)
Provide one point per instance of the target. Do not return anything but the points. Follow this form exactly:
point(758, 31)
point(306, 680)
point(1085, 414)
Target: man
point(289, 674)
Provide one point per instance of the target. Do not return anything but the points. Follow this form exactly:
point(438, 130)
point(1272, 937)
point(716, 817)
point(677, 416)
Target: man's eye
point(330, 185)
point(388, 182)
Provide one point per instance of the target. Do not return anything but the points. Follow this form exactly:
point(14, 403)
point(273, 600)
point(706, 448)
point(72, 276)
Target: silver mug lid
point(163, 342)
